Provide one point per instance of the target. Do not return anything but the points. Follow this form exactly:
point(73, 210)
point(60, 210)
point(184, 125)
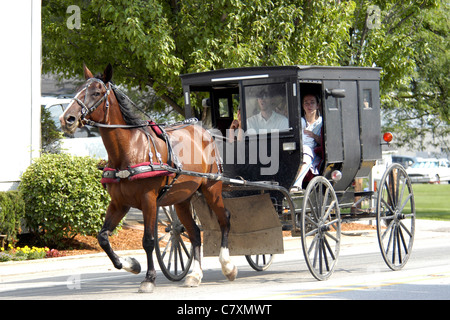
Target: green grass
point(432, 201)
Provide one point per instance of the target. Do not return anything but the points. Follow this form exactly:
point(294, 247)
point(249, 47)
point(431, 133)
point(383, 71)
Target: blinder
point(85, 110)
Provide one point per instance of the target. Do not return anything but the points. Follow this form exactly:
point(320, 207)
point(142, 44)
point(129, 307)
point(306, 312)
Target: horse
point(130, 142)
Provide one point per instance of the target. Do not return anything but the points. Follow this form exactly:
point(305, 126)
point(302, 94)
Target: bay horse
point(128, 143)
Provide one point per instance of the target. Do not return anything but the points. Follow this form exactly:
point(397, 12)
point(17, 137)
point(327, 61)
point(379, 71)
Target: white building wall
point(20, 92)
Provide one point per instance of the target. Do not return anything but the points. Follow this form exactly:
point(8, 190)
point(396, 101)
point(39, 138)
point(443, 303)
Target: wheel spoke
point(169, 263)
point(392, 211)
point(313, 244)
point(317, 254)
point(329, 248)
point(406, 229)
point(185, 249)
point(396, 185)
point(387, 229)
point(167, 247)
point(389, 194)
point(308, 217)
point(402, 190)
point(403, 240)
point(399, 249)
point(168, 215)
point(318, 197)
point(408, 198)
point(330, 208)
point(394, 238)
point(332, 237)
point(312, 208)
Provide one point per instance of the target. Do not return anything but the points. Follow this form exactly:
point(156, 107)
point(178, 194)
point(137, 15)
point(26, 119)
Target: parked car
point(85, 141)
point(405, 161)
point(430, 171)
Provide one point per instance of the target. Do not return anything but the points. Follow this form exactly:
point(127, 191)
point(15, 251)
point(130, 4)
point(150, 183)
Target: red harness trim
point(155, 128)
point(151, 173)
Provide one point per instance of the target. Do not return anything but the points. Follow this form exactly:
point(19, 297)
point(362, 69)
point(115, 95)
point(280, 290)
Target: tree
point(419, 107)
point(150, 43)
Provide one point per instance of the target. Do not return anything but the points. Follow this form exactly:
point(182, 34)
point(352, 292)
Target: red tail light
point(388, 137)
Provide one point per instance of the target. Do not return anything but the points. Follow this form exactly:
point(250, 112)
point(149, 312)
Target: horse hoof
point(131, 265)
point(233, 274)
point(192, 281)
point(146, 287)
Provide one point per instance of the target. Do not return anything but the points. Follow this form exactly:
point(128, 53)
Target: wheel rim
point(321, 228)
point(260, 262)
point(173, 249)
point(395, 217)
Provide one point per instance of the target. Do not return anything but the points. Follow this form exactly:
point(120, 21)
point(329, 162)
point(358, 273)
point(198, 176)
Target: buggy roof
point(210, 78)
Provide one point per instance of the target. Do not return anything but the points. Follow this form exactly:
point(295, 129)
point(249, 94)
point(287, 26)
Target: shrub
point(12, 210)
point(63, 197)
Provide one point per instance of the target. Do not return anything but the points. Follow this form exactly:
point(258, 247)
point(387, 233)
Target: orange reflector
point(388, 137)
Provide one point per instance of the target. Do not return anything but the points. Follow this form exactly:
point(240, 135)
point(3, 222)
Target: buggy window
point(367, 98)
point(266, 107)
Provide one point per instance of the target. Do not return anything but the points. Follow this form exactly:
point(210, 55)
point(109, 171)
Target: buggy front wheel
point(320, 228)
point(172, 246)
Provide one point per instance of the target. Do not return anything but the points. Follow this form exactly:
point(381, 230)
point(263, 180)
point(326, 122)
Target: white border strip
point(257, 76)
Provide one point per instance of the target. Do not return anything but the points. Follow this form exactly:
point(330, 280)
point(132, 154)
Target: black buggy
point(261, 167)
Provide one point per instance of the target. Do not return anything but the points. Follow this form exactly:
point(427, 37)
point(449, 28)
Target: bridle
point(85, 110)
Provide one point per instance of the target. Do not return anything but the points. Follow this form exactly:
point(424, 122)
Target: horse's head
point(90, 102)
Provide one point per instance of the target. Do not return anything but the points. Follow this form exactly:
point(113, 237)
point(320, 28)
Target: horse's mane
point(125, 106)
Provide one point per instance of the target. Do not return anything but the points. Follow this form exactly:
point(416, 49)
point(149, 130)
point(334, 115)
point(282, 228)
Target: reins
point(115, 126)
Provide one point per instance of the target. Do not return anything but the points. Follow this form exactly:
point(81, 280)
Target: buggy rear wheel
point(172, 246)
point(320, 228)
point(396, 216)
point(260, 262)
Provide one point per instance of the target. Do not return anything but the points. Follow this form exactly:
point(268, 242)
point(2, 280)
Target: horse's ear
point(87, 72)
point(107, 74)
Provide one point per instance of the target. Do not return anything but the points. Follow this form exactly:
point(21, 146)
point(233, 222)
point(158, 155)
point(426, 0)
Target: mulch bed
point(124, 239)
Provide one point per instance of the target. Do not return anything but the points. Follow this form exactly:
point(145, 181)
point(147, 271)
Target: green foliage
point(12, 210)
point(420, 106)
point(50, 134)
point(63, 197)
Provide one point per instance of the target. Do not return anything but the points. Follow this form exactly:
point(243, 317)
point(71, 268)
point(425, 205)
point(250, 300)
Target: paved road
point(360, 274)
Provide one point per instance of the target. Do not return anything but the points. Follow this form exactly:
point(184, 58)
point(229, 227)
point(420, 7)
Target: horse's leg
point(184, 213)
point(212, 192)
point(114, 215)
point(148, 242)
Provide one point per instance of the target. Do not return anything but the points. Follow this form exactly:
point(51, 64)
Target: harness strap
point(140, 171)
point(114, 126)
